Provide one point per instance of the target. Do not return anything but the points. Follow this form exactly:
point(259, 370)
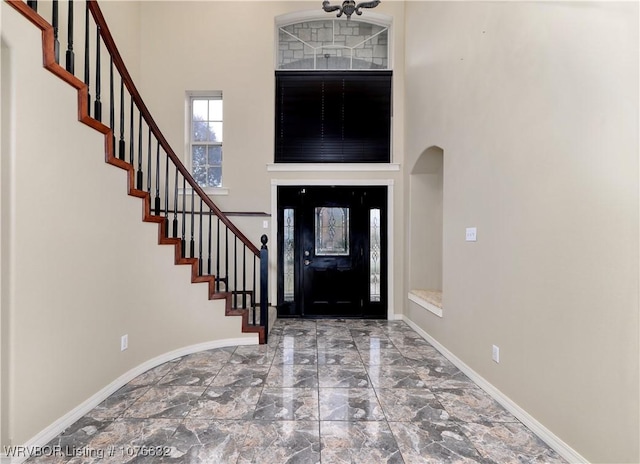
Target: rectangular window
point(205, 139)
point(332, 231)
point(333, 117)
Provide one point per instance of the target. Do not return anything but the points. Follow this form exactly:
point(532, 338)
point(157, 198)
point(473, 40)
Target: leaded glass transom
point(332, 231)
point(333, 44)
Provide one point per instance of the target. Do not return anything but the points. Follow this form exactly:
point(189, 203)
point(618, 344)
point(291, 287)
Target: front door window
point(332, 231)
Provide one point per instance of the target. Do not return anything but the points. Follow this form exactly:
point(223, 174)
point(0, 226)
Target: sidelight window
point(289, 254)
point(375, 251)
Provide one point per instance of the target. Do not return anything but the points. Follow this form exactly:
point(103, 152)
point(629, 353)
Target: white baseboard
point(523, 416)
point(53, 430)
point(56, 428)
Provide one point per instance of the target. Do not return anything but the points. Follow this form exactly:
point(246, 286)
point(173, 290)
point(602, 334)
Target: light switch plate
point(471, 234)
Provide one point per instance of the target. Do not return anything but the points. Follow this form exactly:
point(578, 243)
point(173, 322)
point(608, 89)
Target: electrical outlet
point(471, 234)
point(495, 355)
point(124, 342)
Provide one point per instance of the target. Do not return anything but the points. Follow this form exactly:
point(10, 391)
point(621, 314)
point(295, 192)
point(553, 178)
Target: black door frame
point(384, 189)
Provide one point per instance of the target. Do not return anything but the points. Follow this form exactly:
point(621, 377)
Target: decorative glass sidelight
point(332, 231)
point(289, 242)
point(375, 251)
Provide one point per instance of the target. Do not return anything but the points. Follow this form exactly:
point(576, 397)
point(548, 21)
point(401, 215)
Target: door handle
point(307, 262)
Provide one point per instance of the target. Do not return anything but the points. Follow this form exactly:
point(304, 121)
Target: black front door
point(332, 261)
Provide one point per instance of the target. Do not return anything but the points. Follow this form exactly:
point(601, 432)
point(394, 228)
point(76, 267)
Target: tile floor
point(327, 391)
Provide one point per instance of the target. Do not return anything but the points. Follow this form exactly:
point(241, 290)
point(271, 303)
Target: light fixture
point(349, 7)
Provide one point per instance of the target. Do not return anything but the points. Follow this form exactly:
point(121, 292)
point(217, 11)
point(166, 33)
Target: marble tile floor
point(321, 391)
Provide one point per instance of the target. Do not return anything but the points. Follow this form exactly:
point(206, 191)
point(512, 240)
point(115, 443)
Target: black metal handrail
point(188, 214)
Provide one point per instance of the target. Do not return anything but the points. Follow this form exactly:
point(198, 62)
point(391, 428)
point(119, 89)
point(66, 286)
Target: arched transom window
point(333, 44)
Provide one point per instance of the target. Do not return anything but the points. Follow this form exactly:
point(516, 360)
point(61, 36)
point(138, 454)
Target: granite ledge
point(431, 300)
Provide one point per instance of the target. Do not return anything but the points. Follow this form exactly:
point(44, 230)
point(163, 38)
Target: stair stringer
point(51, 65)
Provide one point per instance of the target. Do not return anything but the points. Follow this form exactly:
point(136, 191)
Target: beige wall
point(4, 265)
point(123, 18)
point(83, 268)
point(229, 46)
point(425, 191)
point(536, 108)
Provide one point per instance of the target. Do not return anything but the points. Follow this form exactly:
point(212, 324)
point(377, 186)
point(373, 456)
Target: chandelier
point(349, 7)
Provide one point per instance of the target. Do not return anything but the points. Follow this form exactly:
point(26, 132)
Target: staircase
point(203, 237)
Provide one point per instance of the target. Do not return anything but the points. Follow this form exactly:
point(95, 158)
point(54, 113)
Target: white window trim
point(390, 183)
point(190, 95)
point(333, 167)
point(373, 17)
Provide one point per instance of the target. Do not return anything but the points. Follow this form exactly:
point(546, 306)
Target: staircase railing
point(110, 103)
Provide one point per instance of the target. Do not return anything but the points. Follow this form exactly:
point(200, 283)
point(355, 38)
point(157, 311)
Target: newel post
point(264, 280)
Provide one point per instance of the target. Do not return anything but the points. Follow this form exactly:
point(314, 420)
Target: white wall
point(536, 108)
point(83, 268)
